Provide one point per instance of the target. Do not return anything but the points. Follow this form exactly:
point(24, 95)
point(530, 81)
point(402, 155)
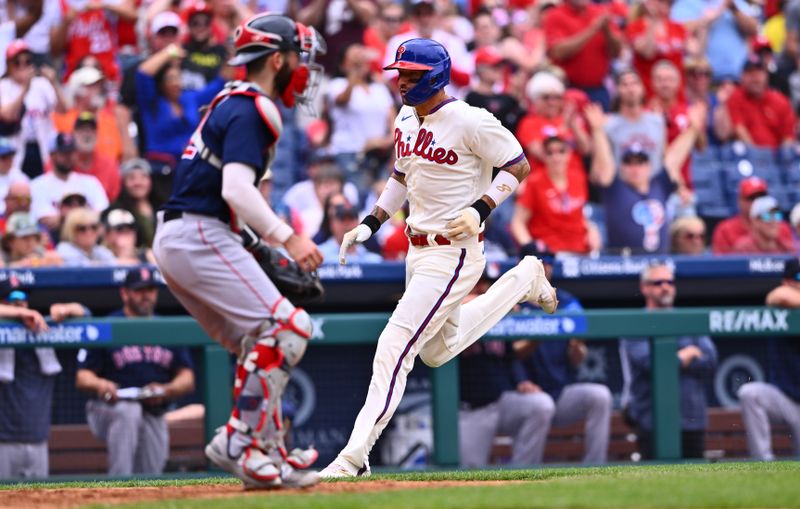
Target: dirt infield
point(71, 498)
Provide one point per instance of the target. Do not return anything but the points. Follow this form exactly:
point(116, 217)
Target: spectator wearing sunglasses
point(204, 58)
point(697, 358)
point(766, 223)
point(688, 236)
point(79, 245)
point(17, 199)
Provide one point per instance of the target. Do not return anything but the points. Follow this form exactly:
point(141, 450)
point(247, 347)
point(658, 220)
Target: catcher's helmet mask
point(264, 34)
point(423, 55)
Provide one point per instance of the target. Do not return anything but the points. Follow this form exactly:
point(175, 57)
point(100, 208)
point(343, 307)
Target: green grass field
point(728, 485)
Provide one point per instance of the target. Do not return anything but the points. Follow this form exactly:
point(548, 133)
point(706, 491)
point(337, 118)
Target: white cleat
point(292, 478)
point(256, 469)
point(337, 471)
point(542, 292)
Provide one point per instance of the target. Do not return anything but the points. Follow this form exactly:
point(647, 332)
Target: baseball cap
point(166, 19)
point(763, 205)
point(120, 217)
point(21, 224)
point(141, 277)
point(85, 76)
point(197, 7)
point(752, 186)
point(7, 146)
point(86, 119)
point(134, 164)
point(553, 132)
point(9, 285)
point(63, 143)
point(754, 61)
point(488, 56)
point(15, 48)
point(791, 269)
point(345, 212)
point(75, 195)
point(760, 43)
point(635, 153)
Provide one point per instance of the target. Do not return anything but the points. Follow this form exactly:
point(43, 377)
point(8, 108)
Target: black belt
point(169, 215)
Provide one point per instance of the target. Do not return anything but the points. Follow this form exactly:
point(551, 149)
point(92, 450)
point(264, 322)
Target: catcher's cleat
point(293, 478)
point(255, 468)
point(542, 292)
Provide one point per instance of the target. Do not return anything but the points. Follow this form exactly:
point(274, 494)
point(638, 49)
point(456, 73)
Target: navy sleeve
point(182, 358)
point(247, 138)
point(93, 359)
point(638, 352)
point(707, 364)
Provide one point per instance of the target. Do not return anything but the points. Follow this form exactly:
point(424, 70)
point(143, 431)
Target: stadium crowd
point(657, 127)
point(98, 99)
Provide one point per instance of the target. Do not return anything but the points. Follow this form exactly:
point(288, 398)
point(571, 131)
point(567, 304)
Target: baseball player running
point(446, 151)
point(214, 277)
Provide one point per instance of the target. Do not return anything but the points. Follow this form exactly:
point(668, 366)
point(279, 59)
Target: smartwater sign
point(538, 326)
point(63, 334)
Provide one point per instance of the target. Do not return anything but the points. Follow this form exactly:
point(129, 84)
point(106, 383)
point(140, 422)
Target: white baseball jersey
point(447, 160)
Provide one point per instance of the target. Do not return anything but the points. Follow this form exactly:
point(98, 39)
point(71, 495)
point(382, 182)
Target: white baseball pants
point(430, 321)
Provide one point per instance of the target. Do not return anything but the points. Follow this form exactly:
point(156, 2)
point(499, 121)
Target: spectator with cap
point(79, 245)
point(688, 236)
point(17, 199)
point(27, 379)
point(778, 399)
point(583, 40)
point(549, 206)
point(30, 99)
point(169, 113)
point(697, 360)
point(633, 195)
point(132, 387)
point(761, 116)
point(732, 230)
point(86, 87)
point(120, 238)
point(551, 112)
point(49, 189)
point(362, 115)
point(90, 29)
point(89, 160)
point(204, 57)
point(766, 226)
point(304, 200)
point(548, 373)
point(135, 197)
point(23, 21)
point(9, 173)
point(24, 245)
point(631, 124)
point(489, 68)
point(71, 200)
point(164, 30)
point(425, 23)
point(724, 26)
point(341, 219)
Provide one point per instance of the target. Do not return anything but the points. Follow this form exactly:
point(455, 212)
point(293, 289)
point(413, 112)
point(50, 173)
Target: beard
point(283, 78)
point(62, 169)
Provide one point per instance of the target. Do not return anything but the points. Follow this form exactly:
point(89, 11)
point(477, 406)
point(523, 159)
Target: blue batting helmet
point(423, 55)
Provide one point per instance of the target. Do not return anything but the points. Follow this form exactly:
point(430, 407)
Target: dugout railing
point(662, 327)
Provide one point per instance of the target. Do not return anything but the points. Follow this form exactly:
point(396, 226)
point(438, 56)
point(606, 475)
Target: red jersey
point(589, 66)
point(670, 45)
point(677, 121)
point(533, 128)
point(730, 234)
point(557, 216)
point(93, 33)
point(769, 119)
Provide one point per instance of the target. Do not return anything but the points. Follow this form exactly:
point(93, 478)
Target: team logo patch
point(505, 188)
point(400, 51)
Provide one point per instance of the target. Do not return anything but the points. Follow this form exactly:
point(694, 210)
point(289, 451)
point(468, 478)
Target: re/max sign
point(756, 320)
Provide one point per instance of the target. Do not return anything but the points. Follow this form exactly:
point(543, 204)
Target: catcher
point(209, 271)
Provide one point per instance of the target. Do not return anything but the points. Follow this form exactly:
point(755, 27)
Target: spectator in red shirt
point(655, 37)
point(732, 230)
point(549, 207)
point(90, 160)
point(761, 116)
point(551, 113)
point(766, 224)
point(667, 101)
point(582, 40)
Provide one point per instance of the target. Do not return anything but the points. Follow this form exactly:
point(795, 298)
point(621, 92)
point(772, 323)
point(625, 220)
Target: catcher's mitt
point(295, 284)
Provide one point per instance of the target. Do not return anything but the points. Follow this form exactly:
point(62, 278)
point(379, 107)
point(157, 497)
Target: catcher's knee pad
point(293, 330)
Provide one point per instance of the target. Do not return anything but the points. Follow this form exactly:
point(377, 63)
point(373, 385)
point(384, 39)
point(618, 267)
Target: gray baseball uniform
point(763, 403)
